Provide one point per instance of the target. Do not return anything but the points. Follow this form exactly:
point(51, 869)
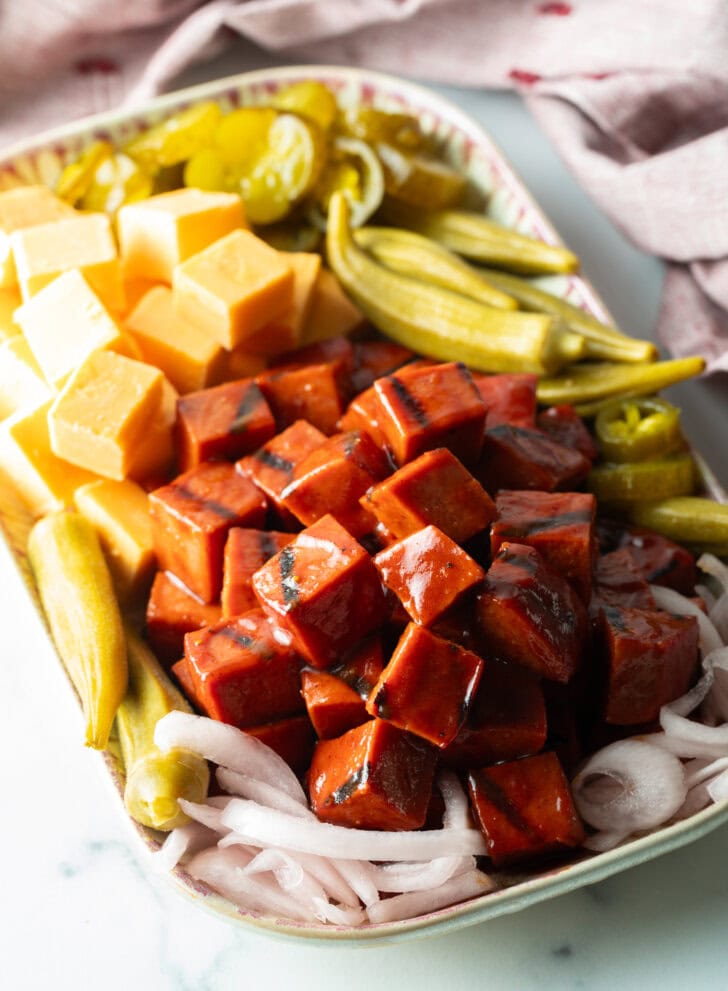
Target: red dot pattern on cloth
point(524, 77)
point(95, 65)
point(556, 9)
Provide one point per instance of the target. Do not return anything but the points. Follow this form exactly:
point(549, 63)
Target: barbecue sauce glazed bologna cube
point(246, 550)
point(376, 776)
point(191, 518)
point(324, 589)
point(524, 809)
point(222, 423)
point(528, 614)
point(560, 526)
point(242, 670)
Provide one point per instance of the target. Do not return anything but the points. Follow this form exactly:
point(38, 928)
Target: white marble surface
point(81, 908)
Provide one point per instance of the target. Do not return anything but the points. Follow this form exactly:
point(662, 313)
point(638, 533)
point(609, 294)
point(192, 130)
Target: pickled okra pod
point(410, 253)
point(478, 237)
point(442, 323)
point(589, 387)
point(154, 780)
point(603, 342)
point(78, 599)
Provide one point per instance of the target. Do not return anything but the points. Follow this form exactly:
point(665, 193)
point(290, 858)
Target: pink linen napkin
point(633, 93)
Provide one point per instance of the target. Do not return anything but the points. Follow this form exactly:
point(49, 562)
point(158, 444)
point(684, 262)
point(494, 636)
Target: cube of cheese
point(85, 242)
point(45, 482)
point(119, 512)
point(65, 322)
point(188, 356)
point(153, 454)
point(21, 380)
point(162, 231)
point(331, 312)
point(10, 300)
point(234, 287)
point(102, 411)
point(284, 333)
point(24, 207)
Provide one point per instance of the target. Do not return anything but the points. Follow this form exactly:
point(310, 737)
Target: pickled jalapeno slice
point(639, 428)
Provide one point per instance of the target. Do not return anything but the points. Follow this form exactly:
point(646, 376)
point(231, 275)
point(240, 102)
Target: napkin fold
point(633, 95)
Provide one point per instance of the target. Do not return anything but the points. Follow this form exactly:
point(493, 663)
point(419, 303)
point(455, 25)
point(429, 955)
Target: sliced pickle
point(78, 176)
point(117, 180)
point(310, 99)
point(285, 170)
point(420, 179)
point(177, 138)
point(353, 169)
point(205, 170)
point(376, 126)
point(241, 137)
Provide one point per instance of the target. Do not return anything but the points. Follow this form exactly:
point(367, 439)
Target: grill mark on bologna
point(410, 402)
point(267, 546)
point(275, 461)
point(209, 504)
point(248, 401)
point(230, 633)
point(289, 585)
point(498, 798)
point(571, 518)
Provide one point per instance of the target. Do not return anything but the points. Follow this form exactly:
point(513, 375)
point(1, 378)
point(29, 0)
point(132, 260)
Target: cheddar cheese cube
point(119, 512)
point(331, 313)
point(188, 356)
point(234, 287)
point(101, 412)
point(21, 380)
point(284, 333)
point(85, 242)
point(24, 207)
point(152, 456)
point(45, 482)
point(10, 300)
point(65, 322)
point(162, 231)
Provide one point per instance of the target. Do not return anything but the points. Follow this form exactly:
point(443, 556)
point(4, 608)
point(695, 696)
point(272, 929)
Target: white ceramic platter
point(468, 147)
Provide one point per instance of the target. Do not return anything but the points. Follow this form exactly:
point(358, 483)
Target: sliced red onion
point(243, 786)
point(700, 770)
point(679, 605)
point(627, 786)
point(603, 841)
point(404, 877)
point(359, 875)
point(223, 870)
point(290, 875)
point(718, 787)
point(266, 827)
point(229, 746)
point(696, 799)
point(715, 709)
point(181, 842)
point(338, 916)
point(457, 889)
point(329, 878)
point(209, 813)
point(457, 809)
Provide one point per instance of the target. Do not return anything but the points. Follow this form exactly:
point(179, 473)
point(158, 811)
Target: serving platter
point(469, 148)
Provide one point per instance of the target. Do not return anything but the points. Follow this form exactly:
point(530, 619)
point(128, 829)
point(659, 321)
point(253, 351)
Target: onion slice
point(679, 605)
point(229, 746)
point(181, 842)
point(627, 786)
point(267, 827)
point(406, 906)
point(401, 877)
